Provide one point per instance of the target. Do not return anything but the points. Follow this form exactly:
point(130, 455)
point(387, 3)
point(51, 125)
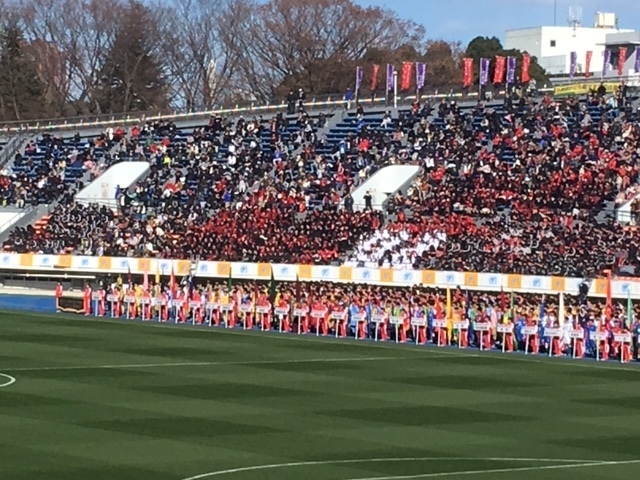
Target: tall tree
point(21, 92)
point(443, 64)
point(489, 47)
point(309, 42)
point(132, 77)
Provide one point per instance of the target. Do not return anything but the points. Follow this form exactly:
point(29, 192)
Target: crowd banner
point(582, 88)
point(84, 265)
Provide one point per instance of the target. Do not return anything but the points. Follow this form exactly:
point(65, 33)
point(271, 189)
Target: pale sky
point(465, 19)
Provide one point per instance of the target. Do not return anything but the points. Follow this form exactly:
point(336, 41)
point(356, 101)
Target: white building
point(553, 45)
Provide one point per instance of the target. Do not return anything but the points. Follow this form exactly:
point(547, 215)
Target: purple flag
point(636, 67)
point(484, 71)
point(606, 62)
point(390, 71)
point(421, 75)
point(573, 60)
point(511, 70)
point(359, 73)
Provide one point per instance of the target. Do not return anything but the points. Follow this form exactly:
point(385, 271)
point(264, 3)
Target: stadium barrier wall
point(68, 264)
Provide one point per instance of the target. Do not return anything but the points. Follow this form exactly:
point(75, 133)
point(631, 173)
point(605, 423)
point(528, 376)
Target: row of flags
point(606, 62)
point(406, 76)
point(505, 69)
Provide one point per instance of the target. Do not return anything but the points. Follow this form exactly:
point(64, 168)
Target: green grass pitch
point(101, 399)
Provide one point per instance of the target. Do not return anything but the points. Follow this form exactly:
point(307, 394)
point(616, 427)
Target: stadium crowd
point(524, 187)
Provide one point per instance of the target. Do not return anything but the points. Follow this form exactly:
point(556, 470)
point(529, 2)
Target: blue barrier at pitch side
point(28, 302)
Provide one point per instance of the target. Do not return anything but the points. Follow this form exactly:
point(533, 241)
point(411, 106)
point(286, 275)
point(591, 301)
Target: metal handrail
point(127, 119)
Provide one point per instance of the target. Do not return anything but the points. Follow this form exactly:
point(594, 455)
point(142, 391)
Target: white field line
point(273, 466)
point(201, 364)
point(501, 470)
point(10, 380)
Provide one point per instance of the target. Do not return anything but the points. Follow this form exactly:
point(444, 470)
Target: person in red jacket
point(59, 291)
point(86, 299)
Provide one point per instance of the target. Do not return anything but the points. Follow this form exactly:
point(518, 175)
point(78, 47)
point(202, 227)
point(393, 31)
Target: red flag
point(407, 72)
point(498, 73)
point(587, 64)
point(467, 71)
point(622, 58)
point(374, 77)
point(173, 287)
point(526, 63)
point(129, 278)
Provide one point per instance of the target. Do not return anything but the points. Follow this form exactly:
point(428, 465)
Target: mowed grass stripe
point(248, 398)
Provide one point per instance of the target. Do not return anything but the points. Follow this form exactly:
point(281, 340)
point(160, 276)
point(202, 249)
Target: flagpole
point(395, 89)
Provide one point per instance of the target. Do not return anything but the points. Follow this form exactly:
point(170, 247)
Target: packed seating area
point(527, 186)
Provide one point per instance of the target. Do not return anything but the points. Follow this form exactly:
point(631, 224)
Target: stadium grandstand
point(243, 256)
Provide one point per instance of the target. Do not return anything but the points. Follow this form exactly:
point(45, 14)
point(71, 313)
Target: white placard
point(300, 312)
point(601, 336)
point(395, 320)
point(419, 322)
point(504, 328)
point(112, 298)
point(359, 317)
point(177, 303)
point(482, 327)
point(461, 325)
point(440, 324)
point(553, 332)
point(339, 315)
point(281, 310)
point(263, 309)
point(577, 334)
point(377, 318)
point(318, 313)
point(129, 299)
point(95, 296)
point(530, 330)
point(622, 337)
point(227, 307)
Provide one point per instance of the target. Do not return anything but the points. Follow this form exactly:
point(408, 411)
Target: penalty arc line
point(393, 459)
point(11, 380)
point(502, 470)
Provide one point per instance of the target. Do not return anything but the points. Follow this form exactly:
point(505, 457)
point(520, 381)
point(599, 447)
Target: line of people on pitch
point(366, 320)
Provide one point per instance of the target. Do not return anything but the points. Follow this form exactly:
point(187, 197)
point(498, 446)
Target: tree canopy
point(73, 57)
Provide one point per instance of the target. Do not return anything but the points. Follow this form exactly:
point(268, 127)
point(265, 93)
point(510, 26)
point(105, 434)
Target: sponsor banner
point(620, 288)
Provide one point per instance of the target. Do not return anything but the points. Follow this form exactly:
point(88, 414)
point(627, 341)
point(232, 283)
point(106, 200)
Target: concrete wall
point(103, 189)
point(383, 183)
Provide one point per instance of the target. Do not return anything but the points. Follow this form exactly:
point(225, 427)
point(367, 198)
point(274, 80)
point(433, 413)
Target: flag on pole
point(390, 71)
point(498, 73)
point(526, 63)
point(229, 281)
point(407, 72)
point(511, 70)
point(421, 75)
point(542, 308)
point(297, 288)
point(129, 277)
point(587, 64)
point(449, 313)
point(622, 58)
point(374, 77)
point(606, 62)
point(191, 285)
point(359, 76)
point(467, 305)
point(629, 311)
point(157, 279)
point(467, 72)
point(636, 65)
point(272, 287)
point(145, 280)
point(573, 63)
point(484, 71)
point(512, 308)
point(173, 285)
point(609, 306)
point(561, 312)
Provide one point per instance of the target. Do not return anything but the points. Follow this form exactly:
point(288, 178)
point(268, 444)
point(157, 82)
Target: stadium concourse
point(527, 186)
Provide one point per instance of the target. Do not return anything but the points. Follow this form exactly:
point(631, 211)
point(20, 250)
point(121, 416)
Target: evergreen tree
point(131, 77)
point(21, 92)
